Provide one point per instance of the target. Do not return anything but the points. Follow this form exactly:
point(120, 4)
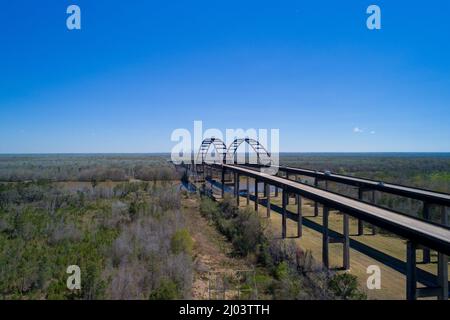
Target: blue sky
point(140, 69)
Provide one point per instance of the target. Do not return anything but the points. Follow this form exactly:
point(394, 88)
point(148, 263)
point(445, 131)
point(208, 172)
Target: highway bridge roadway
point(418, 232)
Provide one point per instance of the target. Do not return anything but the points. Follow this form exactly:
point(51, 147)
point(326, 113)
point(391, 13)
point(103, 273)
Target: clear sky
point(139, 69)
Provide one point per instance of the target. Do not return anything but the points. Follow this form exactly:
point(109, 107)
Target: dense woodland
point(132, 244)
point(113, 167)
point(430, 171)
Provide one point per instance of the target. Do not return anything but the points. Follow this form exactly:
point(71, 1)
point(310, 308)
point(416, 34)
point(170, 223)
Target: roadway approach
point(420, 233)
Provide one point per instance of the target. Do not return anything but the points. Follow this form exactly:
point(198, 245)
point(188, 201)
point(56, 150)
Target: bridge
point(420, 232)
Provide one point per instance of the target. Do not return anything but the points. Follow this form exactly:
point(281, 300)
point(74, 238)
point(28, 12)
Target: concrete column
point(346, 243)
point(316, 205)
point(267, 188)
point(223, 182)
point(426, 216)
point(374, 201)
point(283, 220)
point(443, 276)
point(444, 216)
point(256, 195)
point(360, 222)
point(236, 183)
point(248, 191)
point(299, 215)
point(325, 238)
point(211, 190)
point(411, 271)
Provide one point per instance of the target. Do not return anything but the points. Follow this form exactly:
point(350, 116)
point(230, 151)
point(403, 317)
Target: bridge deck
point(434, 236)
point(414, 193)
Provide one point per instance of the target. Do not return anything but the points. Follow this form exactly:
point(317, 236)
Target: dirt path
point(212, 253)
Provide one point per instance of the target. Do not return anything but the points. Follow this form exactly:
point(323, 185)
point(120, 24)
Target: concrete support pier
point(248, 191)
point(346, 243)
point(316, 205)
point(236, 187)
point(360, 222)
point(325, 238)
point(411, 271)
point(284, 197)
point(267, 188)
point(426, 251)
point(222, 180)
point(256, 195)
point(299, 215)
point(443, 276)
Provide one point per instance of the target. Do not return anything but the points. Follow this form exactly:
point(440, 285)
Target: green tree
point(345, 286)
point(167, 290)
point(181, 242)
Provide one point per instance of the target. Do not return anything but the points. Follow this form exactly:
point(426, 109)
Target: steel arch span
point(228, 155)
point(263, 156)
point(219, 146)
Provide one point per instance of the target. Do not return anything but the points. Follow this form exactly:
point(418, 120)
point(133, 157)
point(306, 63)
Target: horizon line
point(165, 152)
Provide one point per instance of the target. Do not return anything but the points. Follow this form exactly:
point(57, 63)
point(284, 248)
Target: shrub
point(181, 242)
point(209, 209)
point(247, 232)
point(167, 290)
point(282, 271)
point(345, 286)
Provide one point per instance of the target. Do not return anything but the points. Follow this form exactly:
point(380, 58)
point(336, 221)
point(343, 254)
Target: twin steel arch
point(230, 155)
point(263, 156)
point(219, 147)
